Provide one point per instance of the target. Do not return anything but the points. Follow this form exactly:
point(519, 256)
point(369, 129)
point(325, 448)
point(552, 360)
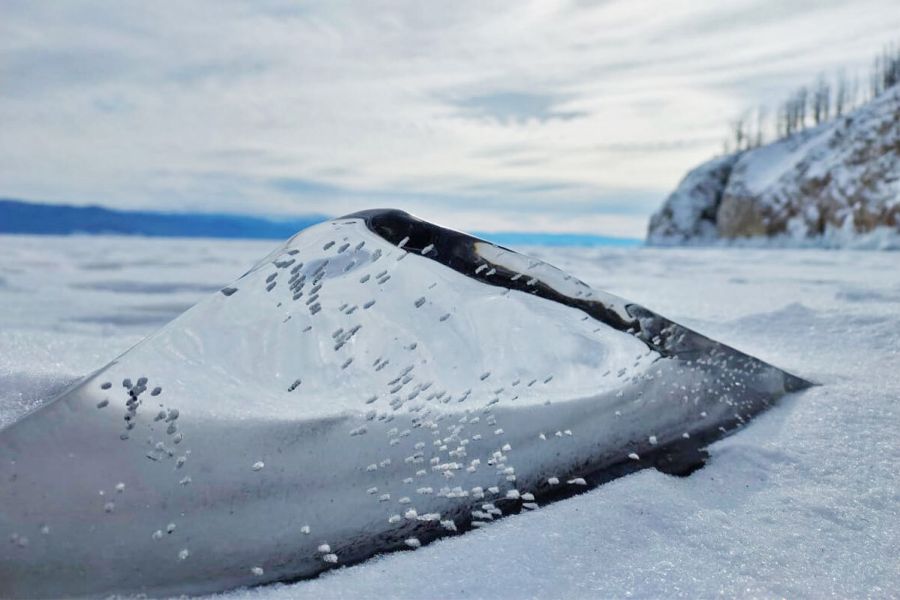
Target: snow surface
point(802, 503)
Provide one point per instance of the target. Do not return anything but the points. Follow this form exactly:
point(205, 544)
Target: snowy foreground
point(804, 502)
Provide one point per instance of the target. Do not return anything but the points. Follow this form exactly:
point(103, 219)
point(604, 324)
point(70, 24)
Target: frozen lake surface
point(802, 503)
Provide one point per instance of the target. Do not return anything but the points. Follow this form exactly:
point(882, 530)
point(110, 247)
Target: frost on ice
point(384, 423)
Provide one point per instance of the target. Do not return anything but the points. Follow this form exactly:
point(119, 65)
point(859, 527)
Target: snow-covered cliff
point(837, 184)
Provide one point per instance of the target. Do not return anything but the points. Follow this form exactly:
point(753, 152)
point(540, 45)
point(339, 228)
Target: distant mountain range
point(54, 219)
point(21, 217)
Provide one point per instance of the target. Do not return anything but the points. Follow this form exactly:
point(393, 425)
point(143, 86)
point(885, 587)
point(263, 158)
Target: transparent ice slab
point(375, 383)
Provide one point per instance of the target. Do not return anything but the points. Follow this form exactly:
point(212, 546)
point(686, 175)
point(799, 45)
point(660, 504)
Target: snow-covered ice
point(803, 502)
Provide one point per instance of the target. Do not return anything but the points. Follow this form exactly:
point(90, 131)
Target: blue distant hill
point(17, 216)
point(54, 219)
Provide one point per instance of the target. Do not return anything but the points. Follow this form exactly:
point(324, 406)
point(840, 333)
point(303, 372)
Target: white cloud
point(575, 116)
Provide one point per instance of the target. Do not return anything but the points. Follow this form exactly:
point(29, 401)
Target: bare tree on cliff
point(820, 100)
point(738, 133)
point(820, 103)
point(842, 99)
point(761, 119)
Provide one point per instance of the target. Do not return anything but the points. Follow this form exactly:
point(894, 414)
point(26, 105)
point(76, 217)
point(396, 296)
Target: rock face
point(837, 184)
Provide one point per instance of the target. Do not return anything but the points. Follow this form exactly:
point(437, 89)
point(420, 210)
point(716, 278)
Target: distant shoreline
point(32, 218)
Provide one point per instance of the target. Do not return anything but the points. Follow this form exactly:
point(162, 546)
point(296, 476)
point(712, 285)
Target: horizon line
point(26, 217)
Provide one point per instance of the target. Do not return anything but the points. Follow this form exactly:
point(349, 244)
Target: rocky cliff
point(837, 184)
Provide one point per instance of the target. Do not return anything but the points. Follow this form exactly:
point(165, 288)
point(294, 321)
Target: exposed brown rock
point(840, 177)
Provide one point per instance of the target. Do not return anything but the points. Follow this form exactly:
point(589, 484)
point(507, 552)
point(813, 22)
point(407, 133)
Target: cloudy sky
point(554, 115)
